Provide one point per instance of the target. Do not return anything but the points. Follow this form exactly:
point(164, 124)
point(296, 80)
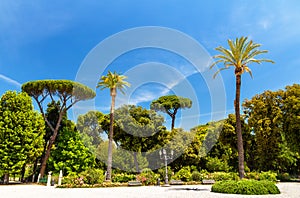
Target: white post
point(38, 179)
point(49, 179)
point(60, 177)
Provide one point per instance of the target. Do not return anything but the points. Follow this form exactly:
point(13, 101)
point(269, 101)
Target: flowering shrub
point(147, 177)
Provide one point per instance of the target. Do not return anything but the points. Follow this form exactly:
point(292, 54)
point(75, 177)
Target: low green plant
point(270, 176)
point(221, 176)
point(92, 176)
point(247, 187)
point(147, 177)
point(216, 164)
point(283, 177)
point(123, 177)
point(162, 173)
point(184, 174)
point(197, 176)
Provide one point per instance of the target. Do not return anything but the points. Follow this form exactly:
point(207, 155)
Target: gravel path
point(288, 190)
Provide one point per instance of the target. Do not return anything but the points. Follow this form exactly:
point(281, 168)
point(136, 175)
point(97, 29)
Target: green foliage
point(89, 126)
point(221, 176)
point(92, 176)
point(247, 187)
point(21, 132)
point(69, 153)
point(273, 117)
point(170, 105)
point(269, 175)
point(197, 176)
point(65, 88)
point(215, 164)
point(147, 177)
point(162, 173)
point(284, 177)
point(123, 177)
point(184, 174)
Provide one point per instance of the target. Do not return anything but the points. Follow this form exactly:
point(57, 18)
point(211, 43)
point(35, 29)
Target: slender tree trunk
point(173, 123)
point(239, 127)
point(136, 162)
point(111, 133)
point(23, 172)
point(51, 142)
point(6, 178)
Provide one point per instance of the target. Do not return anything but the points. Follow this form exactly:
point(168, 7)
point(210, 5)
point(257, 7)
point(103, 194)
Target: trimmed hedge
point(246, 187)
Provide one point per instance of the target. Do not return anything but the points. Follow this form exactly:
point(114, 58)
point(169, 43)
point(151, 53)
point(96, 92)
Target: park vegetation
point(259, 142)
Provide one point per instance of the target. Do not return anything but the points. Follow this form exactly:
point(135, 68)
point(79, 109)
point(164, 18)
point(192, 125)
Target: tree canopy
point(21, 132)
point(170, 104)
point(67, 92)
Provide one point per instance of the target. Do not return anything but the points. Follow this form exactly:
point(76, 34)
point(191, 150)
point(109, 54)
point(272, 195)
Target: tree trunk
point(173, 122)
point(136, 162)
point(111, 133)
point(6, 178)
point(23, 172)
point(239, 127)
point(51, 142)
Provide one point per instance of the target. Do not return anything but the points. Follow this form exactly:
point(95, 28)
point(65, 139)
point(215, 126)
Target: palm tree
point(240, 54)
point(114, 82)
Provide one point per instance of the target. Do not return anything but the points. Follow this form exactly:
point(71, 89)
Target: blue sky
point(51, 40)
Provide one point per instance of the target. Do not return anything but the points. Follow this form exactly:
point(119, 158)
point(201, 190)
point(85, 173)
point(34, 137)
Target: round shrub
point(184, 174)
point(246, 187)
point(197, 176)
point(93, 176)
point(147, 177)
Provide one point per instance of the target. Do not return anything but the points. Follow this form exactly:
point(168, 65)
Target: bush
point(162, 173)
point(184, 174)
point(246, 187)
point(221, 176)
point(252, 175)
point(215, 164)
point(284, 177)
point(123, 177)
point(72, 178)
point(270, 176)
point(92, 176)
point(197, 176)
point(147, 177)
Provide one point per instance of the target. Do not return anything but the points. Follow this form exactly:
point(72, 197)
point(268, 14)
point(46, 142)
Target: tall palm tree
point(114, 82)
point(240, 54)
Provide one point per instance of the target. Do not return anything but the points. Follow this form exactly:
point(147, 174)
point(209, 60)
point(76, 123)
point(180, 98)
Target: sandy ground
point(288, 190)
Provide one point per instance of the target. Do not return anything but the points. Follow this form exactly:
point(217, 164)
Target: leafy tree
point(170, 105)
point(140, 130)
point(270, 116)
point(264, 116)
point(21, 132)
point(291, 116)
point(240, 54)
point(90, 128)
point(69, 153)
point(114, 82)
point(66, 92)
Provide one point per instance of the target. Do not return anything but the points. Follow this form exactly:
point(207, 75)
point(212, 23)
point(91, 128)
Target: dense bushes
point(123, 177)
point(184, 174)
point(147, 177)
point(247, 187)
point(91, 176)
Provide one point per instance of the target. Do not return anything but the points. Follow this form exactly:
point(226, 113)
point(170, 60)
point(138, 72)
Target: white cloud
point(10, 81)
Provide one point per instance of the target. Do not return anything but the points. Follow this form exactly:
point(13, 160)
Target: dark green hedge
point(246, 187)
